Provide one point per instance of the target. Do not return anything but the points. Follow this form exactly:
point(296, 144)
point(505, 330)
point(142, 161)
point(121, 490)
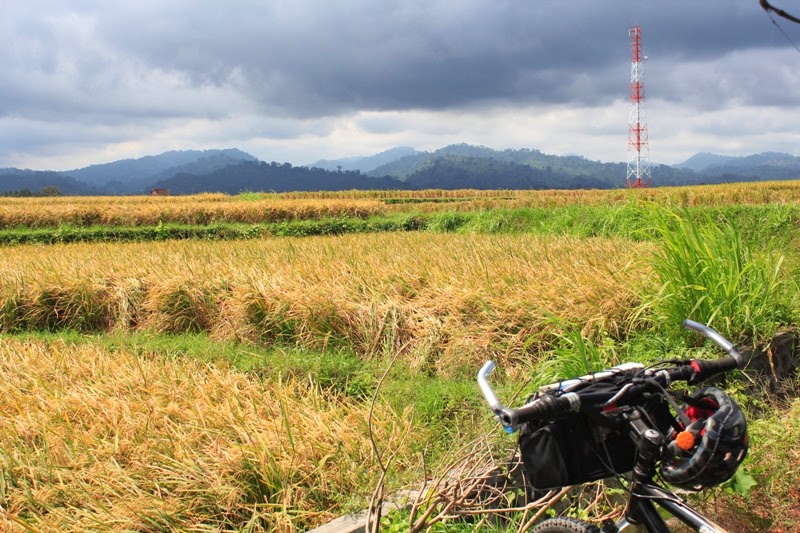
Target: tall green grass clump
point(574, 353)
point(709, 273)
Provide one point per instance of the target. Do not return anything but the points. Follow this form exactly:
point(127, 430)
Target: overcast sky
point(92, 81)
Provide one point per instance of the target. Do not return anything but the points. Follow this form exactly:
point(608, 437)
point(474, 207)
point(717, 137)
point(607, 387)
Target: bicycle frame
point(642, 514)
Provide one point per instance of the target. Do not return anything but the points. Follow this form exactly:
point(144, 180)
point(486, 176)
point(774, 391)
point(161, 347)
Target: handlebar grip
point(707, 368)
point(544, 408)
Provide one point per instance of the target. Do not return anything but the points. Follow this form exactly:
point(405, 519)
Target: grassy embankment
point(122, 421)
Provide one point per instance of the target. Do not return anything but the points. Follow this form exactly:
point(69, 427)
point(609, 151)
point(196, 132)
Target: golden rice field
point(102, 440)
point(263, 208)
point(99, 441)
point(444, 298)
point(151, 210)
point(723, 194)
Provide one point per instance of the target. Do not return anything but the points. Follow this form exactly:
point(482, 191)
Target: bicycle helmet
point(719, 446)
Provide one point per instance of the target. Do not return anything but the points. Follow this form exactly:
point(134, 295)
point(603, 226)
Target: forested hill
point(442, 173)
point(459, 166)
point(575, 171)
point(17, 182)
point(571, 165)
point(262, 176)
point(453, 172)
point(135, 176)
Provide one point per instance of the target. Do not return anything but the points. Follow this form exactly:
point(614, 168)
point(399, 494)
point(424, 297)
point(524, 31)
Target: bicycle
point(618, 422)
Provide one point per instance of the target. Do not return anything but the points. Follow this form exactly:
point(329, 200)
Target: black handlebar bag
point(572, 451)
point(582, 448)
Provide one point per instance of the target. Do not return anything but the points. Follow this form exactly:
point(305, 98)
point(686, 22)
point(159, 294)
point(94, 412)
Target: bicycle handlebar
point(486, 389)
point(549, 406)
point(718, 339)
point(546, 407)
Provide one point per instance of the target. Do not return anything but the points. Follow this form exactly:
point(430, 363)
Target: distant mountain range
point(132, 176)
point(127, 176)
point(457, 166)
point(776, 165)
point(366, 163)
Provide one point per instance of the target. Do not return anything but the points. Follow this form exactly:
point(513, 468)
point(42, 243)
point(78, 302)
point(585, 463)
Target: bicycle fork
point(642, 514)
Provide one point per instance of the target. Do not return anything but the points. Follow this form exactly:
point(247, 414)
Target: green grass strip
point(632, 221)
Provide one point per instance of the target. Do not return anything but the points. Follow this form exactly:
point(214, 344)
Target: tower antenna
point(638, 145)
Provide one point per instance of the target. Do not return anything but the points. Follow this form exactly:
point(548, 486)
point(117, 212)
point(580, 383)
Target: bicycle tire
point(565, 525)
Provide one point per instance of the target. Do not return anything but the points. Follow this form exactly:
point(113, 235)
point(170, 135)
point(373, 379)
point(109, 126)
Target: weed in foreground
point(710, 274)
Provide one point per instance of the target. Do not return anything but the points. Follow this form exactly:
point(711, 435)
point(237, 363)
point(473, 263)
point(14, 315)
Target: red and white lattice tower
point(638, 147)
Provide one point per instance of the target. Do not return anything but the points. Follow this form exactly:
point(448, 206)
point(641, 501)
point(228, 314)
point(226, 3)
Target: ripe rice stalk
point(188, 307)
point(476, 294)
point(201, 209)
point(82, 305)
point(11, 306)
point(102, 441)
point(379, 329)
point(128, 296)
point(264, 316)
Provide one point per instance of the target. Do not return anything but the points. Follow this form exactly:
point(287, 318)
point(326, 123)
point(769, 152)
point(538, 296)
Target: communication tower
point(638, 146)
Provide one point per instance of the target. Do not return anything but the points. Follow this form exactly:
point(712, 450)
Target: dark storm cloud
point(312, 58)
point(89, 72)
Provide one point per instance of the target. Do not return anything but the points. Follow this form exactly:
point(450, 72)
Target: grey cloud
point(753, 77)
point(317, 58)
point(90, 63)
point(50, 138)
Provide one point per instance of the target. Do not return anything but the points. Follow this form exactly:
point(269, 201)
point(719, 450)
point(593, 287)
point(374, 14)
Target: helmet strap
point(679, 412)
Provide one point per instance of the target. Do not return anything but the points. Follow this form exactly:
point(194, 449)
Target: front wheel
point(565, 525)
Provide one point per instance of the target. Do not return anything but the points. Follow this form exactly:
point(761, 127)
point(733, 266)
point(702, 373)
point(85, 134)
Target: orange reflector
point(684, 440)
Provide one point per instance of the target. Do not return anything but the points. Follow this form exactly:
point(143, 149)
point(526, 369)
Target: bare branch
point(766, 6)
point(376, 501)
